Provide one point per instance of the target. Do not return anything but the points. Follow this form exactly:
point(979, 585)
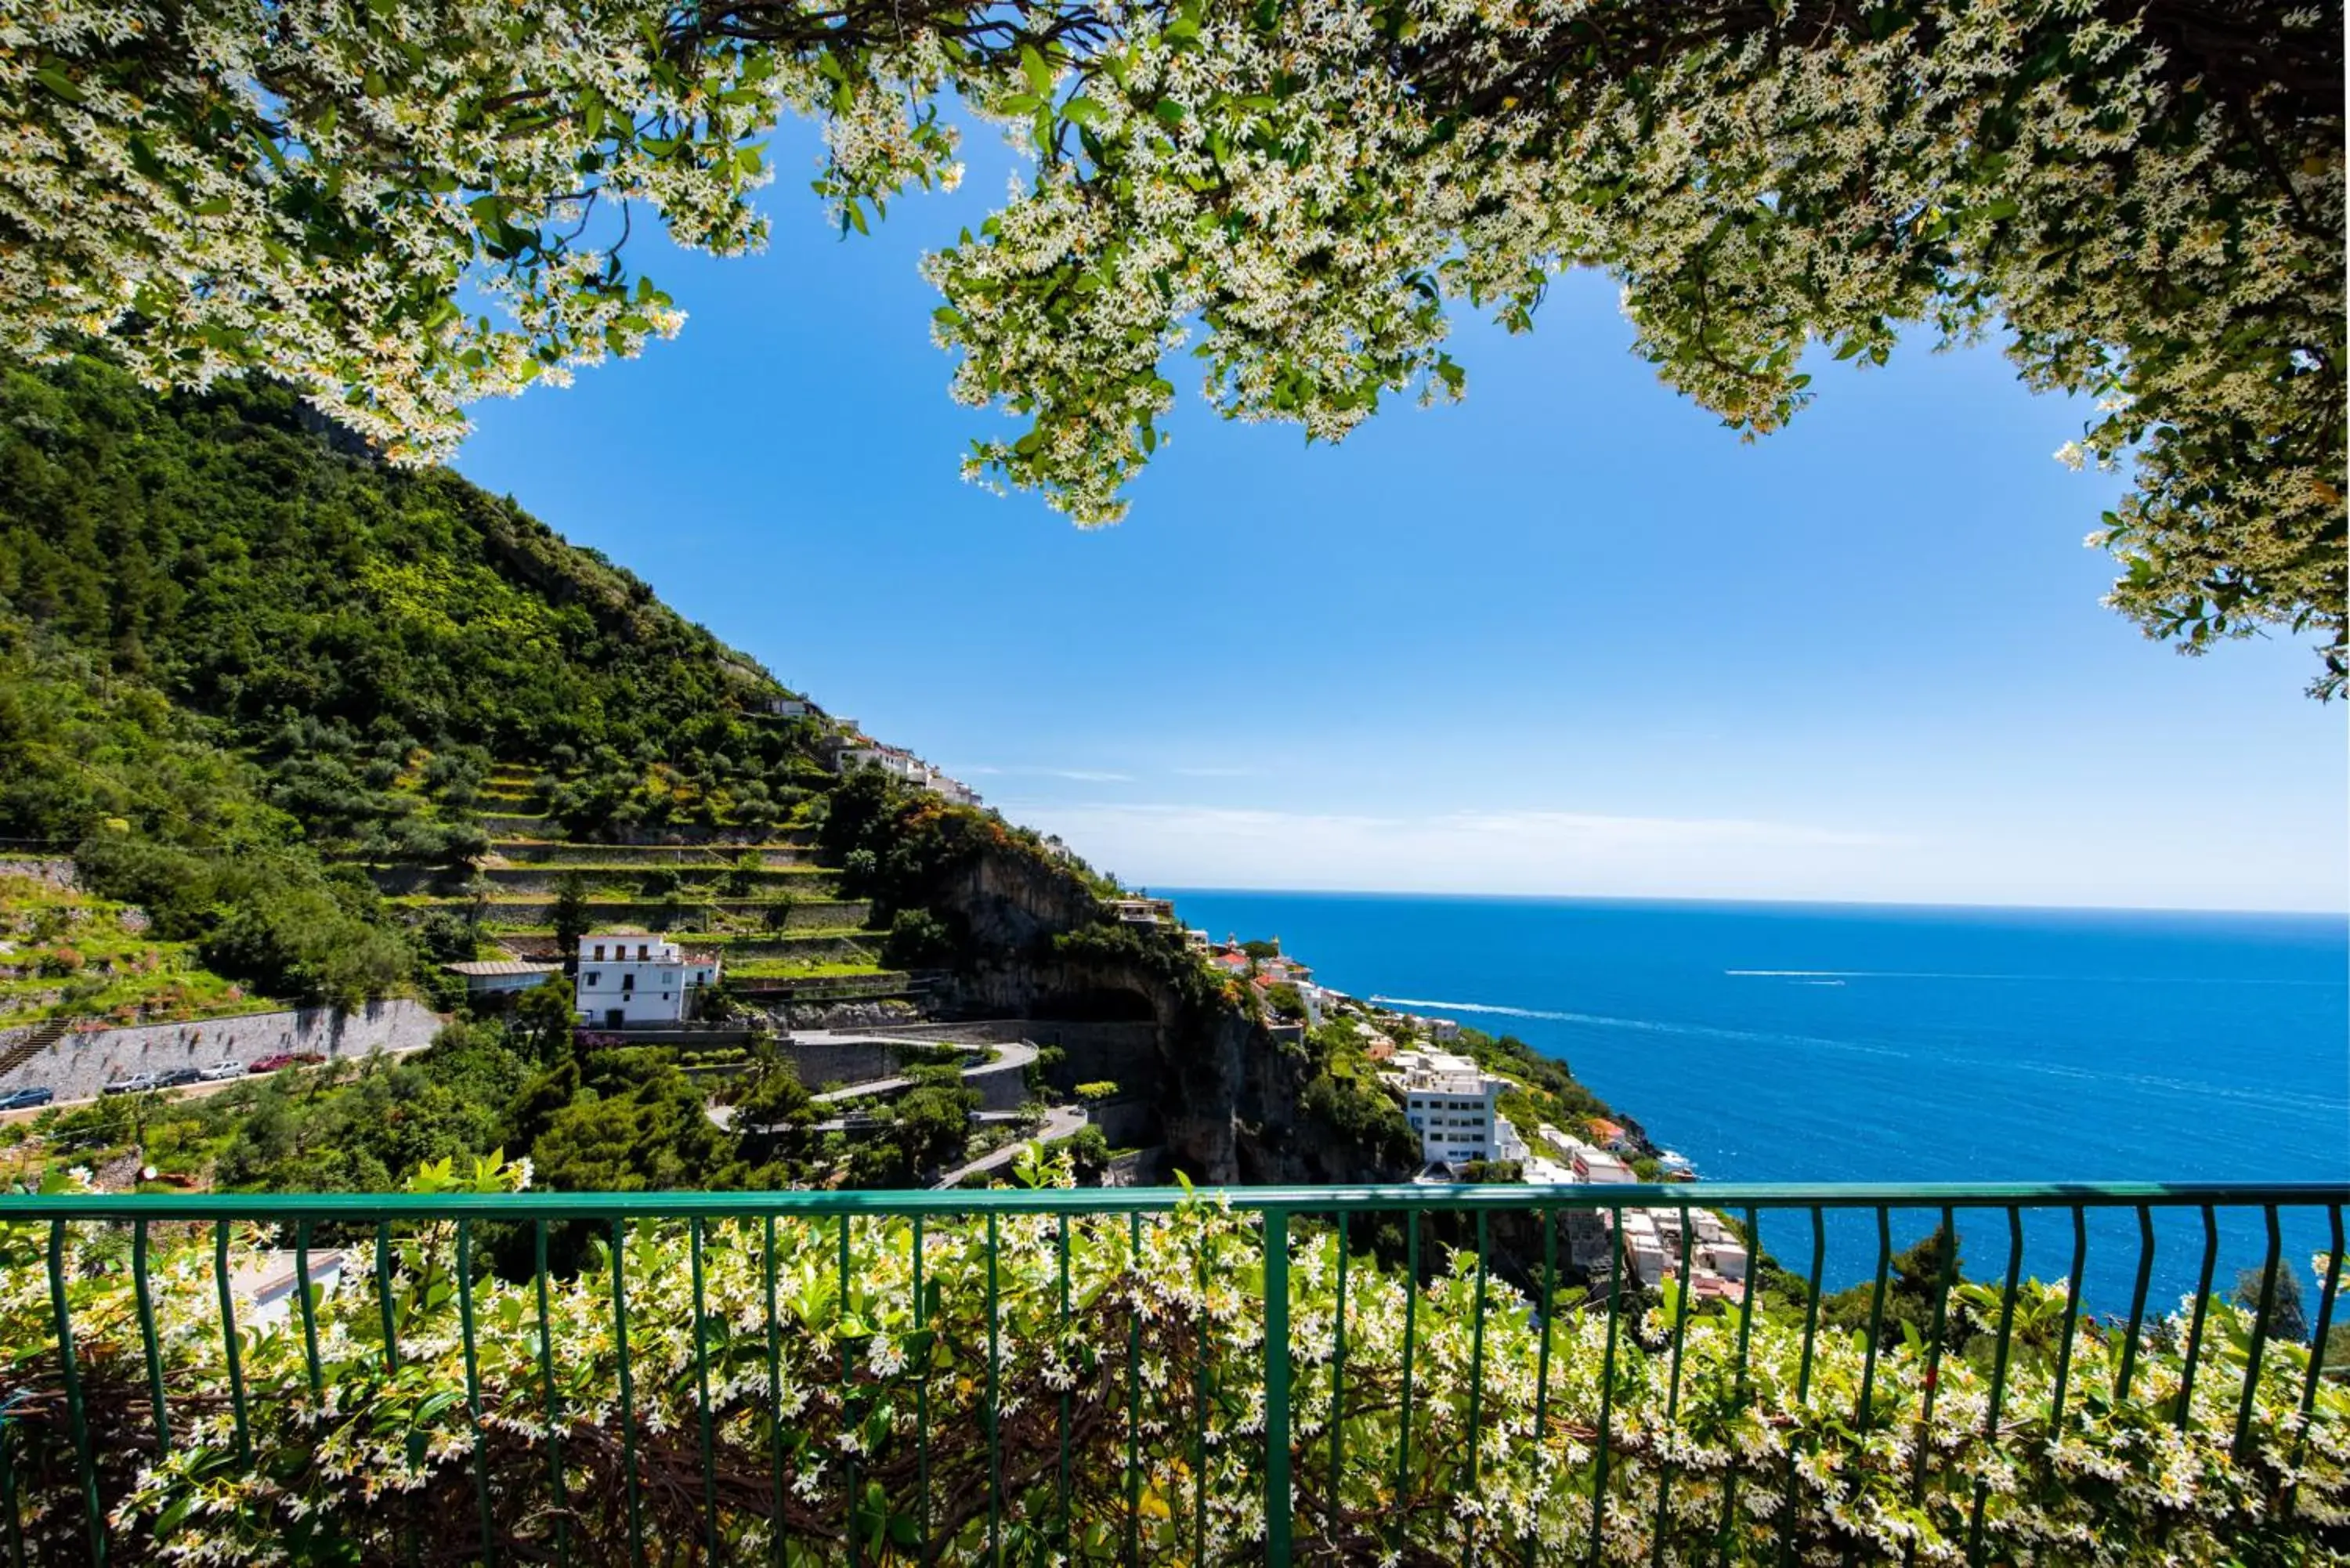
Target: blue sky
point(1570, 637)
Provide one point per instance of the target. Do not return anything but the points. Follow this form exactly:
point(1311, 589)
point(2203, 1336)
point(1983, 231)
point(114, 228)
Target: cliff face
point(1127, 1003)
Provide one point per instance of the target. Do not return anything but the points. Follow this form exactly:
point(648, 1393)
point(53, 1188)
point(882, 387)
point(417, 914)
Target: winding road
point(1060, 1122)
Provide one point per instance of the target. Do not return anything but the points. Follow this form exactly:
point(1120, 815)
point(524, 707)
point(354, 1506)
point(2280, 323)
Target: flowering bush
point(2145, 200)
point(807, 1378)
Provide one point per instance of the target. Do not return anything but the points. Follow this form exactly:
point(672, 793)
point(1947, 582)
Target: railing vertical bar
point(1548, 1306)
point(1753, 1239)
point(1276, 1388)
point(1198, 1454)
point(2072, 1320)
point(1864, 1412)
point(1477, 1353)
point(2260, 1331)
point(1945, 1275)
point(384, 1308)
point(148, 1338)
point(2195, 1321)
point(1134, 1398)
point(694, 1243)
point(2327, 1295)
point(77, 1415)
point(994, 1430)
point(1863, 1409)
point(2138, 1303)
point(840, 1317)
point(1804, 1375)
point(1339, 1391)
point(921, 1396)
point(1411, 1344)
point(627, 1393)
point(2000, 1349)
point(1600, 1454)
point(307, 1306)
point(229, 1344)
point(472, 1387)
point(550, 1392)
point(1672, 1389)
point(1061, 1510)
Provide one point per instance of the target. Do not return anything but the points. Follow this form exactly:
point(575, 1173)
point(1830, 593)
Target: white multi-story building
point(634, 977)
point(1453, 1104)
point(905, 767)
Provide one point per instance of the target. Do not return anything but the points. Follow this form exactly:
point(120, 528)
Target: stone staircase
point(15, 1053)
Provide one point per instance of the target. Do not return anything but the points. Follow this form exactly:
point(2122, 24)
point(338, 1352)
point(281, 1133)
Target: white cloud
point(1553, 852)
point(1076, 775)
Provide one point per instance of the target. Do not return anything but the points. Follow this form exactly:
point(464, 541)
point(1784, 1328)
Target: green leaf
point(58, 82)
point(1082, 110)
point(1039, 74)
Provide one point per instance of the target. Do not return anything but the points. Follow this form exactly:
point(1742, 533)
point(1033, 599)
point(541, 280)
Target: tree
point(544, 1018)
point(2145, 196)
point(2288, 1320)
point(1914, 1279)
point(569, 918)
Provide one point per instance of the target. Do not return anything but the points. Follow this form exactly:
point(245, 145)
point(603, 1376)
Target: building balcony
point(1412, 1374)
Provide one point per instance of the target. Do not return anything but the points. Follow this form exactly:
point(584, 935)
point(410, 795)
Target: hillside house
point(1453, 1104)
point(502, 977)
point(635, 978)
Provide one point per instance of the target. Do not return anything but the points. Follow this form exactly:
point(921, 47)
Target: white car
point(226, 1067)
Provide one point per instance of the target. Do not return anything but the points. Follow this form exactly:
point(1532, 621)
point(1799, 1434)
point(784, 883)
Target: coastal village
point(626, 984)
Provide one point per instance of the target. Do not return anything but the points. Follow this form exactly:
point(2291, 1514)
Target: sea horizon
point(1790, 1040)
point(1172, 890)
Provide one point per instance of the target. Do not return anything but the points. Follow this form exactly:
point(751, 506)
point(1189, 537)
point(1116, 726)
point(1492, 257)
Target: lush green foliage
point(397, 210)
point(216, 549)
point(833, 1407)
point(229, 653)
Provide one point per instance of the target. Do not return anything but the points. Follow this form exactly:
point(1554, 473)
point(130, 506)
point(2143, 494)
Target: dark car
point(172, 1077)
point(25, 1099)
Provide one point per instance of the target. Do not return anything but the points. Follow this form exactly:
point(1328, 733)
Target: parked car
point(174, 1077)
point(226, 1067)
point(25, 1099)
point(286, 1059)
point(131, 1083)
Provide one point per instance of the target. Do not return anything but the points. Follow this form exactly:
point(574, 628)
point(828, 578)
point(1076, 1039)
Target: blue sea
point(1861, 1043)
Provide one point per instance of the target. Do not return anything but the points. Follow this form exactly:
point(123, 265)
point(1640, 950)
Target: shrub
point(386, 1456)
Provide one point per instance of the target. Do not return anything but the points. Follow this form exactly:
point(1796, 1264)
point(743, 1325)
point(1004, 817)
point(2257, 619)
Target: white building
point(632, 977)
point(1453, 1104)
point(1595, 1165)
point(905, 767)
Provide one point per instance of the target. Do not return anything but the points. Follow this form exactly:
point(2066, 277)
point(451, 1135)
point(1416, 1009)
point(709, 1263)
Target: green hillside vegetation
point(65, 954)
point(244, 674)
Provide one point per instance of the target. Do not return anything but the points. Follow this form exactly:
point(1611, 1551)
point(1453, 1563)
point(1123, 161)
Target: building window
point(595, 976)
point(599, 952)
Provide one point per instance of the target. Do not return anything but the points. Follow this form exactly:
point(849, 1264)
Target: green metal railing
point(128, 1377)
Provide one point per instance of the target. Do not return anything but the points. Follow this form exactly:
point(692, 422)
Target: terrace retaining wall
point(78, 1063)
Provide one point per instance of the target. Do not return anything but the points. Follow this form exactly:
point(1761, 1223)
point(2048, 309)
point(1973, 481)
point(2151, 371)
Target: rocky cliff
point(1229, 1098)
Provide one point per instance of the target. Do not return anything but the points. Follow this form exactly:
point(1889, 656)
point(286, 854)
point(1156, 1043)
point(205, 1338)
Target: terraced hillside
point(756, 896)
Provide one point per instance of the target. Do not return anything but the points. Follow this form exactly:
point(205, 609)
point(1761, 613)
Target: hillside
point(243, 675)
point(300, 728)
